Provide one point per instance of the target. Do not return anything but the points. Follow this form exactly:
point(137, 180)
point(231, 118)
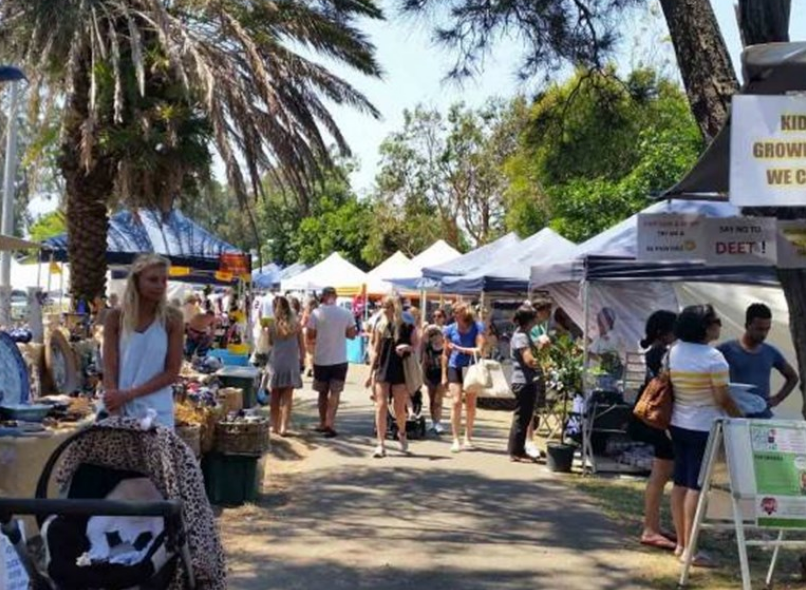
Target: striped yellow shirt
point(696, 369)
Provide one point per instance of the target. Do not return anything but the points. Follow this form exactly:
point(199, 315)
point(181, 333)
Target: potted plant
point(563, 366)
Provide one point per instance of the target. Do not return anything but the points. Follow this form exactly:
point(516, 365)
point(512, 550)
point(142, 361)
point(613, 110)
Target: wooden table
point(22, 460)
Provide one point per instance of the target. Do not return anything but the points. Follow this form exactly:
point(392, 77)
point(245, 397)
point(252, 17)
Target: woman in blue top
point(463, 339)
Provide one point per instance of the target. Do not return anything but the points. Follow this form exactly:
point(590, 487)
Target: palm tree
point(141, 86)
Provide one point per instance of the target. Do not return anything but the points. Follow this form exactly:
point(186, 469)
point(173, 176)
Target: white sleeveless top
point(142, 357)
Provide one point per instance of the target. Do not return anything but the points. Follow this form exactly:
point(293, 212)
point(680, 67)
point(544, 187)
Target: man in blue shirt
point(751, 360)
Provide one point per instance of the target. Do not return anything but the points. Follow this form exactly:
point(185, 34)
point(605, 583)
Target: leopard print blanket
point(170, 464)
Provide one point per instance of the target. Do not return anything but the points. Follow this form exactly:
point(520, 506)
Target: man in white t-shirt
point(328, 329)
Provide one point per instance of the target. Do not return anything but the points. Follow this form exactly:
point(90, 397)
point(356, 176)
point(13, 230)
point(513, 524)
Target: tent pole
point(585, 366)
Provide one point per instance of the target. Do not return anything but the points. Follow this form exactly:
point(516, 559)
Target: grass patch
point(621, 500)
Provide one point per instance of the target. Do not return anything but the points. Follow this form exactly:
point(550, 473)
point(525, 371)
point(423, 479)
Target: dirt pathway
point(333, 518)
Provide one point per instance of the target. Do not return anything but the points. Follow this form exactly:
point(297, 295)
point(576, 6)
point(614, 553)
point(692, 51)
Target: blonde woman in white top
point(699, 375)
point(143, 343)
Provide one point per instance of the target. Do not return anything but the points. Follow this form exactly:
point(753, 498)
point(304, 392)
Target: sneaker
point(468, 445)
point(439, 428)
point(404, 445)
point(532, 450)
point(379, 452)
point(456, 446)
point(330, 433)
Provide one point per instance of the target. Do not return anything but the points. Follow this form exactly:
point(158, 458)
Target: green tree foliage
point(442, 176)
point(598, 147)
point(47, 226)
point(337, 221)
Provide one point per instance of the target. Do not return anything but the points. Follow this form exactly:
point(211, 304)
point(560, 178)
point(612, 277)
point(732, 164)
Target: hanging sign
point(237, 264)
point(791, 244)
point(671, 236)
point(741, 241)
point(768, 151)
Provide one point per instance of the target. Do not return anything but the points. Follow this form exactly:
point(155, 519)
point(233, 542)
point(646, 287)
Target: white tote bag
point(499, 387)
point(477, 377)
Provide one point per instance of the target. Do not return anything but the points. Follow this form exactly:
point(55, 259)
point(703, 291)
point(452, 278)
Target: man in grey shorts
point(328, 329)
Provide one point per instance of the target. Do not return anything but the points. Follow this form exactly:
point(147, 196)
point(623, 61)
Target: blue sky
point(415, 69)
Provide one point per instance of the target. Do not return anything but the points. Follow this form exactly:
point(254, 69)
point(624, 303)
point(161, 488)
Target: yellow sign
point(179, 271)
point(55, 269)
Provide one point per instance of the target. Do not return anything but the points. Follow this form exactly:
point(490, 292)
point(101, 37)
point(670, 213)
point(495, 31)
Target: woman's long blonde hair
point(285, 317)
point(130, 306)
point(397, 321)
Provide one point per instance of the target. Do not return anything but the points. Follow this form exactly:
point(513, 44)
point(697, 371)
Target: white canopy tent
point(333, 271)
point(397, 265)
point(437, 253)
point(632, 300)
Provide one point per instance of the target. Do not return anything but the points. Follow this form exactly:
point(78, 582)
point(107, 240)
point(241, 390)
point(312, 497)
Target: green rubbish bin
point(231, 480)
point(246, 378)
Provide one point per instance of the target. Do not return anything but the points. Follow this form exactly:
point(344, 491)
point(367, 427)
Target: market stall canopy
point(509, 270)
point(266, 277)
point(173, 235)
point(292, 271)
point(397, 265)
point(472, 261)
point(333, 271)
point(771, 69)
point(620, 241)
point(440, 252)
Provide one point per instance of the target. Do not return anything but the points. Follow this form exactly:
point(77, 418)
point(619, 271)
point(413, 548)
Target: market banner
point(792, 244)
point(741, 241)
point(768, 151)
point(671, 236)
point(236, 264)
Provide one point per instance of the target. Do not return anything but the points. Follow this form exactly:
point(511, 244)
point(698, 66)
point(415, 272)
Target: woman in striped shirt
point(699, 375)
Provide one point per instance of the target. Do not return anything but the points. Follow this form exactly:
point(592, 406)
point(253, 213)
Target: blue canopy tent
point(173, 235)
point(271, 275)
point(508, 270)
point(266, 276)
point(471, 262)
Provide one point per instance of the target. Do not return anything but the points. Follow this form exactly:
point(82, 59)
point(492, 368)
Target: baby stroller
point(133, 514)
point(415, 421)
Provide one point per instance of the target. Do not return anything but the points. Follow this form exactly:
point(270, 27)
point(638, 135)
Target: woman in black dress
point(394, 340)
point(659, 336)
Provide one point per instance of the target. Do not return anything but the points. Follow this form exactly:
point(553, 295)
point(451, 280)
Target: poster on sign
point(768, 151)
point(670, 236)
point(791, 244)
point(741, 241)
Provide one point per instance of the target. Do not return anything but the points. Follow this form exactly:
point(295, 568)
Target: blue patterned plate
point(15, 387)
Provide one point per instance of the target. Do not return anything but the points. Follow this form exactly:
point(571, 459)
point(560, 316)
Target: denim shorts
point(689, 451)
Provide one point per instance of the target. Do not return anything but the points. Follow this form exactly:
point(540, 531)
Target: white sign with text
point(670, 236)
point(741, 241)
point(768, 151)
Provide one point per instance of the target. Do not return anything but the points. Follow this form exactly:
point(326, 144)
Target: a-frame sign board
point(766, 472)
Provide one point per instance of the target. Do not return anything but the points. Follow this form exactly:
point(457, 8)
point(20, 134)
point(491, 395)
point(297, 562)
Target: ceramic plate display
point(60, 361)
point(14, 383)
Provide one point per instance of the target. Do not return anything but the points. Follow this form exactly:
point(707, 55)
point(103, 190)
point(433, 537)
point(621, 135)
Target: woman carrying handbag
point(395, 341)
point(463, 339)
